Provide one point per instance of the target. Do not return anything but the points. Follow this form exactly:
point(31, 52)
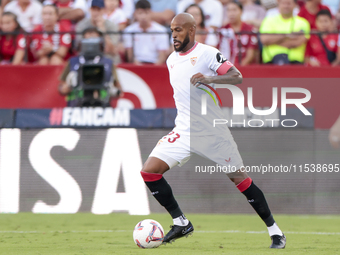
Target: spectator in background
point(146, 48)
point(321, 48)
point(289, 45)
point(310, 9)
point(337, 19)
point(71, 10)
point(128, 7)
point(97, 20)
point(269, 4)
point(3, 3)
point(12, 47)
point(225, 19)
point(275, 11)
point(203, 34)
point(333, 5)
point(27, 11)
point(212, 9)
point(163, 11)
point(245, 52)
point(252, 14)
point(115, 14)
point(51, 48)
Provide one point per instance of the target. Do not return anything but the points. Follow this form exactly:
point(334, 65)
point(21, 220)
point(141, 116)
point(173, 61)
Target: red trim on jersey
point(223, 69)
point(150, 177)
point(244, 185)
point(186, 53)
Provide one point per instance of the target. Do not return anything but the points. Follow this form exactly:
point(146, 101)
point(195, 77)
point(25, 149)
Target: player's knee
point(237, 181)
point(155, 166)
point(238, 176)
point(147, 168)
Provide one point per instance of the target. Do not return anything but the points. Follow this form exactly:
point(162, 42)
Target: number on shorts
point(174, 138)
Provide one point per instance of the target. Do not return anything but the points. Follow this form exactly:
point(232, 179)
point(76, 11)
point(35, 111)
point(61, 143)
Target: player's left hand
point(199, 78)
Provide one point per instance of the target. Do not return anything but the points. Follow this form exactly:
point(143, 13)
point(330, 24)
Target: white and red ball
point(148, 234)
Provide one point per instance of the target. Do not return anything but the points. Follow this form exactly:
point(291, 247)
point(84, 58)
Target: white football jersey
point(146, 46)
point(28, 18)
point(188, 98)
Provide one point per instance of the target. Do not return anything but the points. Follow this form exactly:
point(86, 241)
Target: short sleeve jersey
point(117, 17)
point(244, 42)
point(278, 25)
point(9, 47)
point(182, 66)
point(316, 50)
point(146, 46)
point(28, 18)
point(56, 40)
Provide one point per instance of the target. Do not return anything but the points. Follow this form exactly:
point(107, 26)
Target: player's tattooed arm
point(233, 76)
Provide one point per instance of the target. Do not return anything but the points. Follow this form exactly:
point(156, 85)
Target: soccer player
point(190, 65)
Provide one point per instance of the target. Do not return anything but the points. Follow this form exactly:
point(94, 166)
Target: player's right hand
point(199, 78)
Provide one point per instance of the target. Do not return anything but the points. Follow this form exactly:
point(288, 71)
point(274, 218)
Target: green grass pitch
point(85, 233)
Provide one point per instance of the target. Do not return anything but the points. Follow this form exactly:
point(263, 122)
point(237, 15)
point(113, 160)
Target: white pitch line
point(196, 231)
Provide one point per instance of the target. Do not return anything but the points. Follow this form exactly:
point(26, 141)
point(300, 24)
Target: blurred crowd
point(246, 31)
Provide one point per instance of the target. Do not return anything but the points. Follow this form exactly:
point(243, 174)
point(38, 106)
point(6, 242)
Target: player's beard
point(183, 44)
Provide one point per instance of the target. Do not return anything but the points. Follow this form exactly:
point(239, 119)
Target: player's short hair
point(202, 24)
point(239, 5)
point(324, 13)
point(143, 4)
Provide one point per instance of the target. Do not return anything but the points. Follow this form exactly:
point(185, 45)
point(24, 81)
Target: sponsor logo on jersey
point(220, 58)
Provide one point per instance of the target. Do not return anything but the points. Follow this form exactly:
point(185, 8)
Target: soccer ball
point(148, 234)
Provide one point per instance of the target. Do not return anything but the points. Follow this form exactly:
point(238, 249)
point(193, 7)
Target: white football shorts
point(174, 149)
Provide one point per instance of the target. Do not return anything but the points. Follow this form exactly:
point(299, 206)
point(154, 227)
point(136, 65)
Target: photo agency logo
point(238, 108)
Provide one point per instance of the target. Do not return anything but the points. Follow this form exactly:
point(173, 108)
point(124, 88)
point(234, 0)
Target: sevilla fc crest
point(193, 60)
